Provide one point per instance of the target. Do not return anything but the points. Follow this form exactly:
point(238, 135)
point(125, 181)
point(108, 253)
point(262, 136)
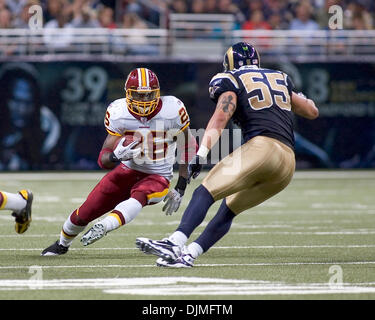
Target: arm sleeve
point(290, 84)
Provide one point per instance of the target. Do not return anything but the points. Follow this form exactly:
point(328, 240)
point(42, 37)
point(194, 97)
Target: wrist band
point(203, 151)
point(113, 158)
point(181, 183)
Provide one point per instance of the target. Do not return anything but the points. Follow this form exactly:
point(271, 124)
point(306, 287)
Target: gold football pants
point(254, 172)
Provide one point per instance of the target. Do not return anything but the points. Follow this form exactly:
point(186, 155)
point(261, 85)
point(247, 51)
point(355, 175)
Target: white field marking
point(273, 204)
point(217, 265)
point(356, 206)
point(253, 233)
point(77, 200)
point(319, 192)
point(62, 176)
point(351, 246)
point(37, 218)
point(339, 174)
point(320, 233)
point(331, 212)
point(185, 286)
point(84, 175)
point(48, 199)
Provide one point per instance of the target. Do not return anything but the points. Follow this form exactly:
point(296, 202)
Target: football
point(128, 140)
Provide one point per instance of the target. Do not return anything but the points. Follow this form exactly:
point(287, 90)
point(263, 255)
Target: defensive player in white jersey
point(141, 171)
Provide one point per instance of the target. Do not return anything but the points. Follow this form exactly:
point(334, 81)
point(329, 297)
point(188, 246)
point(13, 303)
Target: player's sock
point(178, 238)
point(195, 249)
point(69, 231)
point(113, 221)
point(11, 201)
point(129, 209)
point(196, 211)
point(217, 227)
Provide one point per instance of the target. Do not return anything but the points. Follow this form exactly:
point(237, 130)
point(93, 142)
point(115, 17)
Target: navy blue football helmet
point(240, 54)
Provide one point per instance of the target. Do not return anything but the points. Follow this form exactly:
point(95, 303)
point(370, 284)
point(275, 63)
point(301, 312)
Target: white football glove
point(173, 200)
point(125, 153)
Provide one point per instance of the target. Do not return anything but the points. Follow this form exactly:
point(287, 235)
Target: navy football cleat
point(183, 261)
point(164, 248)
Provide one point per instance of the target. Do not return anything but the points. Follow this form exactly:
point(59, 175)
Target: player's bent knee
point(77, 220)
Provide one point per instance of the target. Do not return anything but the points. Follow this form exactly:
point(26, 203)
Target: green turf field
point(297, 245)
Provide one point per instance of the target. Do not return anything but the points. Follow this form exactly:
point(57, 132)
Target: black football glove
point(195, 167)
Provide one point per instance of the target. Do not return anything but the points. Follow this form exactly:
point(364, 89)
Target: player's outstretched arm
point(225, 108)
point(304, 107)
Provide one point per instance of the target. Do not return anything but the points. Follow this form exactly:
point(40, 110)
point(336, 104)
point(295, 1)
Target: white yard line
point(220, 248)
point(184, 286)
point(84, 175)
point(220, 265)
point(320, 233)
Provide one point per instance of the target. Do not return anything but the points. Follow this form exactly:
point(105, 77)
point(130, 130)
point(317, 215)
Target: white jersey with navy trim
point(157, 134)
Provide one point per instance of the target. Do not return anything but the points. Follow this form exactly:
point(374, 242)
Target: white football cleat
point(183, 261)
point(96, 232)
point(165, 249)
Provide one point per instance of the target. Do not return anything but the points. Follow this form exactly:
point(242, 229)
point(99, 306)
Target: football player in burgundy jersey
point(262, 102)
point(141, 171)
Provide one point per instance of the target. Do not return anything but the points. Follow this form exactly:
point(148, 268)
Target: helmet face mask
point(142, 91)
point(142, 102)
point(240, 54)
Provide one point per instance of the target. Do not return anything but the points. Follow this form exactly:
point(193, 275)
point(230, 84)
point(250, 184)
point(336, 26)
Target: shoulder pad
point(171, 106)
point(224, 75)
point(118, 109)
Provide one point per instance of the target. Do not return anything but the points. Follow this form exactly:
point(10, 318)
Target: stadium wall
point(52, 112)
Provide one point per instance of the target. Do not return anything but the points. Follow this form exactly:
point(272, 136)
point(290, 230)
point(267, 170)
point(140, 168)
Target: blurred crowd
point(138, 14)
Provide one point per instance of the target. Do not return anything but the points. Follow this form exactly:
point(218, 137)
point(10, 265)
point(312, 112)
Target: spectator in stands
point(303, 19)
point(134, 7)
point(198, 6)
point(5, 18)
point(62, 39)
point(228, 7)
point(359, 23)
point(137, 43)
point(277, 22)
point(211, 6)
point(85, 17)
point(53, 8)
point(249, 6)
point(279, 8)
point(106, 18)
point(357, 17)
point(323, 15)
point(131, 20)
point(178, 6)
point(6, 23)
point(22, 20)
point(256, 22)
point(15, 6)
